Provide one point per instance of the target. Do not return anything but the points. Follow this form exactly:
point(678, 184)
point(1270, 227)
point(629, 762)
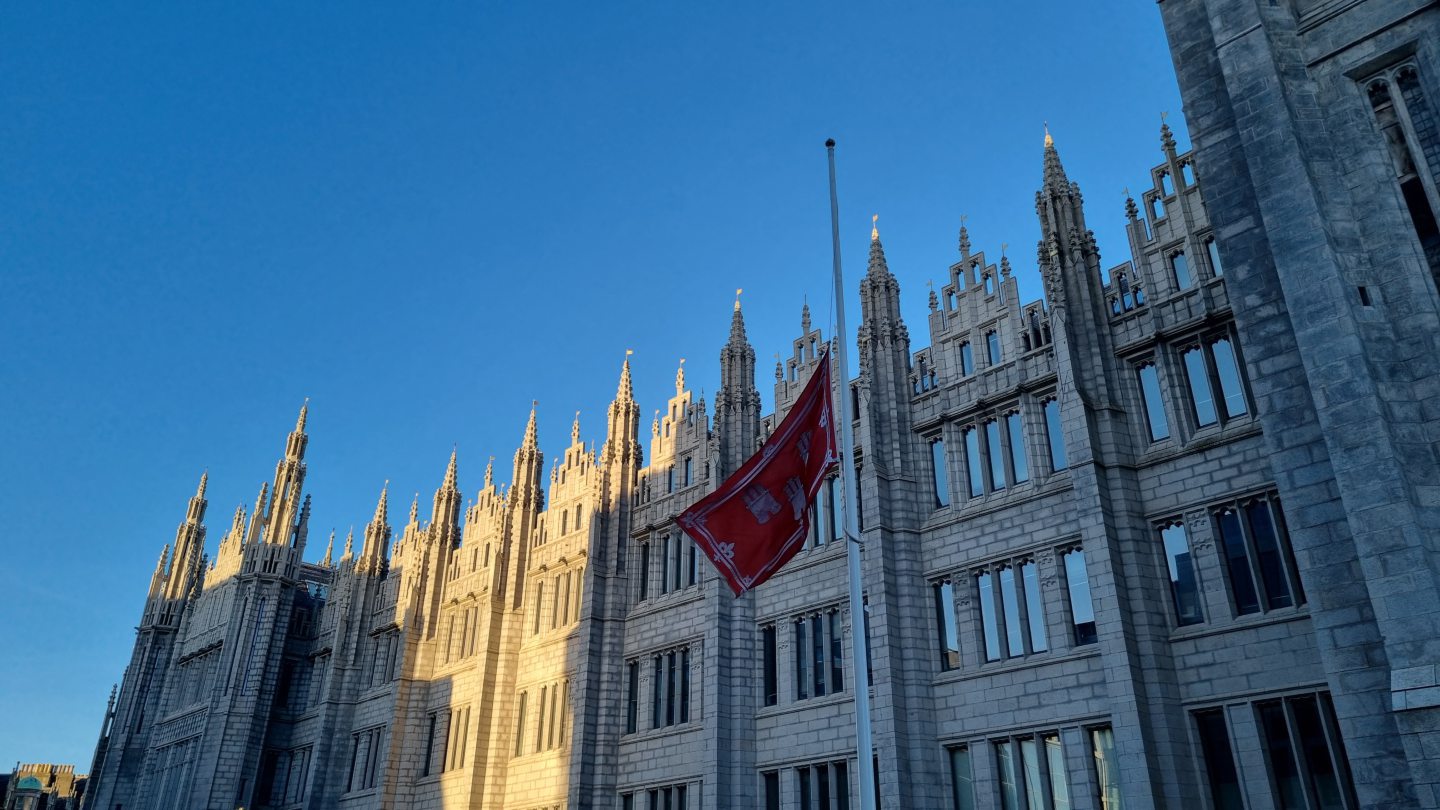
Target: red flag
point(758, 518)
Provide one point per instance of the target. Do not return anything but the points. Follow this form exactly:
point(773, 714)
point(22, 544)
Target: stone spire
point(964, 239)
point(575, 429)
point(805, 318)
point(257, 517)
point(529, 464)
point(622, 439)
point(679, 379)
point(1167, 138)
point(377, 533)
point(349, 546)
point(1055, 179)
point(295, 444)
point(737, 406)
point(490, 473)
point(329, 550)
point(877, 267)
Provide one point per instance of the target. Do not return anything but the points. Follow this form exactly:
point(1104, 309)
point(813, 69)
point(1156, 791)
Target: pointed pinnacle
point(382, 507)
point(415, 508)
point(626, 391)
point(349, 545)
point(531, 434)
point(490, 473)
point(737, 323)
point(204, 481)
point(805, 318)
point(304, 414)
point(575, 429)
point(679, 380)
point(329, 550)
point(450, 476)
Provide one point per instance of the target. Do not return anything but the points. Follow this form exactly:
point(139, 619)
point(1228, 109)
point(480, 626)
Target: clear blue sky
point(423, 216)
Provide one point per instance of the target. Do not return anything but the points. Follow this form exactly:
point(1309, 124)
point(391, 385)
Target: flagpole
point(863, 748)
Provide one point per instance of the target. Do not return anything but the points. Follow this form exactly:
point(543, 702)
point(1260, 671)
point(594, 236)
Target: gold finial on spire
point(1003, 246)
point(737, 298)
point(1049, 141)
point(875, 228)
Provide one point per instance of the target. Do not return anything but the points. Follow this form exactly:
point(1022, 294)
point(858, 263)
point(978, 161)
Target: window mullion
point(1423, 169)
point(1252, 554)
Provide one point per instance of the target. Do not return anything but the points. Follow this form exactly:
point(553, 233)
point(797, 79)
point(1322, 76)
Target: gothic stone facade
point(1163, 539)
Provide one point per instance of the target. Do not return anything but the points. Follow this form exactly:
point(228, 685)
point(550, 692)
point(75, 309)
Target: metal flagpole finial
point(874, 227)
point(737, 298)
point(629, 352)
point(1049, 141)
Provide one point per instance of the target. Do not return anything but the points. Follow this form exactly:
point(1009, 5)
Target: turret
point(737, 406)
point(884, 344)
point(445, 515)
point(622, 440)
point(377, 536)
point(189, 546)
point(1070, 265)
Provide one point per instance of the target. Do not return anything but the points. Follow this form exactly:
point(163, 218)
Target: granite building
point(1166, 538)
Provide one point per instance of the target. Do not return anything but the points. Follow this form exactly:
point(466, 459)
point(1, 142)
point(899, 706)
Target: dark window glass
point(1201, 397)
point(802, 661)
point(1017, 448)
point(1284, 772)
point(940, 479)
point(802, 778)
point(972, 463)
point(772, 691)
point(1214, 251)
point(817, 643)
point(1237, 563)
point(644, 570)
point(657, 699)
point(1077, 582)
point(627, 802)
point(1225, 793)
point(665, 550)
point(967, 359)
point(632, 701)
point(1184, 586)
point(837, 660)
point(989, 619)
point(772, 790)
point(842, 785)
point(1056, 436)
point(1154, 405)
point(945, 622)
point(1268, 554)
point(992, 348)
point(685, 685)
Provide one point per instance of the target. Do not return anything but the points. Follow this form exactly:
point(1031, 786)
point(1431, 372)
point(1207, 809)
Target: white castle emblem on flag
point(795, 492)
point(802, 446)
point(761, 503)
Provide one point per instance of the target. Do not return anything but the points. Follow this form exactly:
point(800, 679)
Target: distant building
point(43, 787)
point(1167, 538)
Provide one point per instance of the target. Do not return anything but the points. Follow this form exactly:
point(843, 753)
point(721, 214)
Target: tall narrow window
point(974, 470)
point(802, 661)
point(996, 455)
point(632, 695)
point(685, 685)
point(689, 471)
point(1034, 607)
point(1303, 749)
point(1202, 400)
point(1394, 98)
point(962, 782)
point(1154, 405)
point(1227, 370)
point(989, 619)
point(520, 725)
point(1010, 602)
point(939, 477)
point(692, 567)
point(992, 348)
point(946, 625)
point(771, 671)
point(967, 359)
point(1184, 585)
point(657, 697)
point(665, 550)
point(1055, 767)
point(1009, 784)
point(539, 606)
point(644, 571)
point(677, 570)
point(670, 688)
point(1237, 562)
point(1225, 792)
point(1107, 768)
point(540, 726)
point(837, 658)
point(1055, 434)
point(1214, 251)
point(817, 647)
point(1016, 437)
point(772, 789)
point(1181, 269)
point(1277, 565)
point(1077, 582)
